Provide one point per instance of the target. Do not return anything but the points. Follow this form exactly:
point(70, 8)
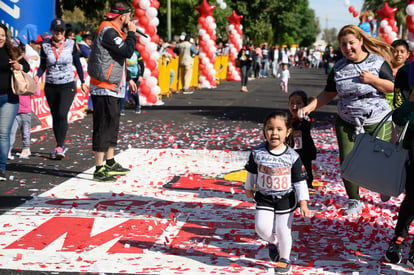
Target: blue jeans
point(135, 96)
point(9, 105)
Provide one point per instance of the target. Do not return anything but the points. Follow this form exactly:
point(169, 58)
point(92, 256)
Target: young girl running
point(277, 173)
point(302, 139)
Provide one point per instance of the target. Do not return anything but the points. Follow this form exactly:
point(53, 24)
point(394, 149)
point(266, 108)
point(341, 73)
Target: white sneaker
point(354, 207)
point(10, 156)
point(25, 154)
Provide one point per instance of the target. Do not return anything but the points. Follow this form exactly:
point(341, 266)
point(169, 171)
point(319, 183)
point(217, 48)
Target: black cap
point(57, 24)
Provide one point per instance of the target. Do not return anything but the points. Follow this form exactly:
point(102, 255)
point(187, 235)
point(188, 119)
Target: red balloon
point(388, 40)
point(409, 20)
point(355, 13)
point(201, 20)
point(140, 48)
point(386, 11)
point(135, 3)
point(155, 4)
point(143, 21)
point(381, 30)
point(391, 22)
point(234, 18)
point(411, 28)
point(395, 28)
point(145, 89)
point(139, 12)
point(151, 64)
point(155, 73)
point(152, 98)
point(145, 55)
point(205, 9)
point(155, 38)
point(150, 30)
point(351, 9)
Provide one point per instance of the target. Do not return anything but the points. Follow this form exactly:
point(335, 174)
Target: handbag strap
point(381, 123)
point(399, 143)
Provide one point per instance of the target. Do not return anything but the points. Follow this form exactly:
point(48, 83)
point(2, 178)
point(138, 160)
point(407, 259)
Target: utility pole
point(169, 19)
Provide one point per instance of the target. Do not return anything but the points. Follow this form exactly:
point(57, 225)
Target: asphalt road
point(188, 119)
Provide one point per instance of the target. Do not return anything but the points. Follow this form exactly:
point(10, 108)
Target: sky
point(338, 13)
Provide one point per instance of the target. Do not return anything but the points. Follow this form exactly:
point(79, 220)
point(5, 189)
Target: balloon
point(411, 45)
point(205, 9)
point(139, 12)
point(155, 38)
point(152, 98)
point(409, 20)
point(135, 3)
point(155, 73)
point(146, 56)
point(144, 40)
point(384, 23)
point(391, 21)
point(223, 6)
point(150, 30)
point(355, 13)
point(151, 64)
point(387, 29)
point(151, 81)
point(351, 9)
point(155, 21)
point(144, 4)
point(234, 18)
point(151, 47)
point(386, 11)
point(151, 12)
point(145, 89)
point(411, 28)
point(143, 21)
point(156, 90)
point(155, 4)
point(147, 73)
point(410, 9)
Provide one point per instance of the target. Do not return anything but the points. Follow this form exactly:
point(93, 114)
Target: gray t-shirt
point(359, 103)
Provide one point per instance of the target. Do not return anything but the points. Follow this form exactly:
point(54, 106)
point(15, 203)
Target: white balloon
point(411, 45)
point(156, 90)
point(231, 27)
point(388, 29)
point(155, 21)
point(147, 73)
point(205, 60)
point(209, 66)
point(393, 35)
point(144, 4)
point(410, 9)
point(223, 6)
point(384, 23)
point(151, 12)
point(155, 55)
point(199, 27)
point(151, 81)
point(347, 3)
point(151, 47)
point(202, 55)
point(219, 1)
point(144, 40)
point(213, 26)
point(209, 19)
point(202, 78)
point(210, 43)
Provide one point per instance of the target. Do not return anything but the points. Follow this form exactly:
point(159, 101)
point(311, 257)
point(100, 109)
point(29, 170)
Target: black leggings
point(406, 213)
point(60, 98)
